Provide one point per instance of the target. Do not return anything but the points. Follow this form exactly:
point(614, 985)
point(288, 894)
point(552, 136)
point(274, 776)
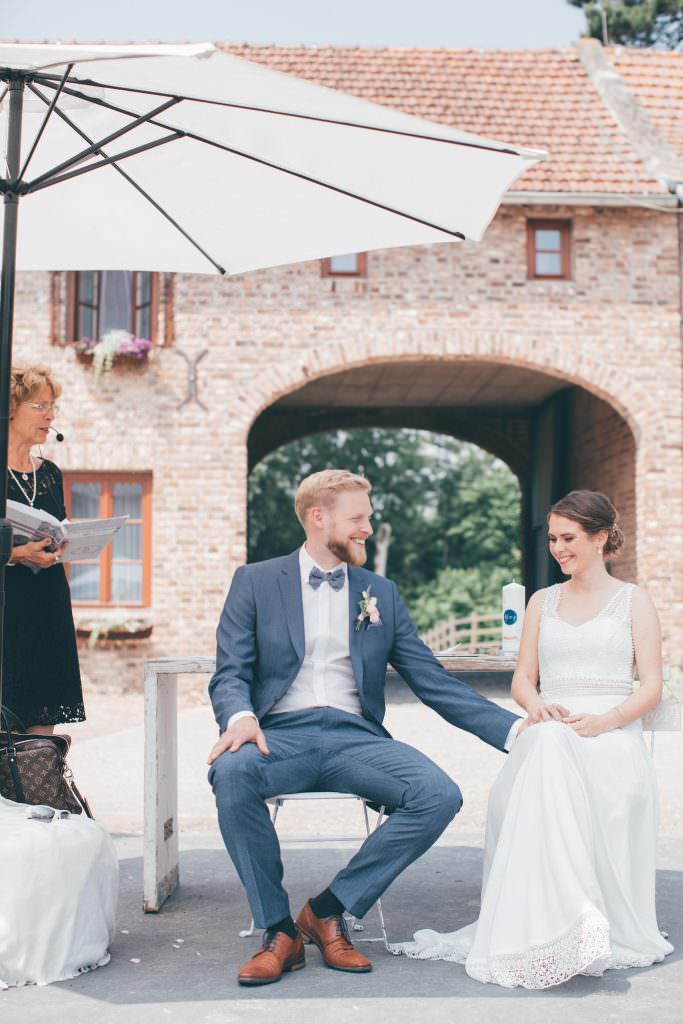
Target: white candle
point(512, 617)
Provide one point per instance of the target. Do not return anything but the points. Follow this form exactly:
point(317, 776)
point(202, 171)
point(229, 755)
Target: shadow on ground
point(190, 953)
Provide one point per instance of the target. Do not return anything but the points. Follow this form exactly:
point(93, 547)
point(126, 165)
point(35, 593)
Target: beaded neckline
point(605, 607)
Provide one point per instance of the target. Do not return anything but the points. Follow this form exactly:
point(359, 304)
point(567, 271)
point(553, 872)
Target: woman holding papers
point(42, 681)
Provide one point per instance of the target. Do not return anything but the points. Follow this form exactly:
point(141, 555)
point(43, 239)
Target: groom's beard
point(347, 551)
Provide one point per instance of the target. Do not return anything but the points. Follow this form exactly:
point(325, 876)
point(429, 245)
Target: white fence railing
point(474, 631)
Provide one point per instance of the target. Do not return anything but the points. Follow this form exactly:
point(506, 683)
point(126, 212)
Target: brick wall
point(613, 331)
point(603, 449)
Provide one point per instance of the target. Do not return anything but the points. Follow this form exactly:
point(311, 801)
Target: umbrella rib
point(43, 126)
point(278, 167)
point(134, 183)
point(52, 174)
point(32, 187)
point(506, 150)
point(324, 184)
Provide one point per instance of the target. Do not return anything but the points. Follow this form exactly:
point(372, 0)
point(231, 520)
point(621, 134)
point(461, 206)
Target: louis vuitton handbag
point(33, 768)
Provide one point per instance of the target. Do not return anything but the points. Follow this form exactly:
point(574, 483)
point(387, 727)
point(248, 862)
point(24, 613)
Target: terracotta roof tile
point(539, 98)
point(656, 77)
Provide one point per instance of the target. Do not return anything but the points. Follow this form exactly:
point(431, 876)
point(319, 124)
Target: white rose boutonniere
point(369, 612)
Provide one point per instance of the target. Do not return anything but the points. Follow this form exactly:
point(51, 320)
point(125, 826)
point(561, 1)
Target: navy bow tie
point(335, 579)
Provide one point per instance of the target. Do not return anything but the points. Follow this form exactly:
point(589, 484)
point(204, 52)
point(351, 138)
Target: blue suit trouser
point(325, 749)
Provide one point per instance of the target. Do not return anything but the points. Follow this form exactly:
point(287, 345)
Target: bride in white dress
point(569, 866)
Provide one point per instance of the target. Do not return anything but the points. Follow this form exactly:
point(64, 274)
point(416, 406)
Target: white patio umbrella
point(182, 158)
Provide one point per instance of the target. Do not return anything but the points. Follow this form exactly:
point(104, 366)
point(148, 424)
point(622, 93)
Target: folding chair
point(666, 717)
point(276, 802)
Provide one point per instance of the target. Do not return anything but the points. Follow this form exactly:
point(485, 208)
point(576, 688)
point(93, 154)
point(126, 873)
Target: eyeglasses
point(44, 407)
point(42, 812)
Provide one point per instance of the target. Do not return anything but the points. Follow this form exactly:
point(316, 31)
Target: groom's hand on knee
point(244, 730)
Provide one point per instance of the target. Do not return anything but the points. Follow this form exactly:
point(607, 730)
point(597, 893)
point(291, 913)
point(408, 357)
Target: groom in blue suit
point(298, 694)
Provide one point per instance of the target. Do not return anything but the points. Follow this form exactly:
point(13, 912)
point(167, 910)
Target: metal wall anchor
point(191, 376)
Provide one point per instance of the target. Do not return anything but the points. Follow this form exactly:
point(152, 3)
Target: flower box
point(122, 359)
point(126, 630)
point(117, 348)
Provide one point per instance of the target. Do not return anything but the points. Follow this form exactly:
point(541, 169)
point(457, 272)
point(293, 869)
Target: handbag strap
point(81, 799)
point(10, 718)
point(12, 757)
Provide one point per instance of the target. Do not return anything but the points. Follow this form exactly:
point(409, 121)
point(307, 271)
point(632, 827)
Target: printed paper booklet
point(85, 537)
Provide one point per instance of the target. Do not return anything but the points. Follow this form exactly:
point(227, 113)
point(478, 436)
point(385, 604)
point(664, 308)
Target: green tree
point(656, 23)
point(456, 593)
point(452, 508)
point(391, 459)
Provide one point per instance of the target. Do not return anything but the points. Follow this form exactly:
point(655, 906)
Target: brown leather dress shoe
point(331, 936)
point(278, 955)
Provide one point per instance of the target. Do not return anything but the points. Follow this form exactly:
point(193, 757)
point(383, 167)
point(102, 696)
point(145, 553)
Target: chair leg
point(356, 925)
point(246, 933)
point(382, 925)
point(380, 818)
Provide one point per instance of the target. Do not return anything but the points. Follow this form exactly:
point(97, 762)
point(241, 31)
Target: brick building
point(555, 343)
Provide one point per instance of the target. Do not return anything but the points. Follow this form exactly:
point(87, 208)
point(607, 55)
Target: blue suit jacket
point(261, 648)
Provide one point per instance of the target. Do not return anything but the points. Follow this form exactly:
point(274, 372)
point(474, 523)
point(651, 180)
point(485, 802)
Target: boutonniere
point(369, 612)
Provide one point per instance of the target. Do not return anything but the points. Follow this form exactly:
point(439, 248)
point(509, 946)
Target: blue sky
point(487, 24)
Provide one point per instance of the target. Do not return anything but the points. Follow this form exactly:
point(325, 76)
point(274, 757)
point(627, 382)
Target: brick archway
point(622, 442)
point(574, 363)
point(544, 422)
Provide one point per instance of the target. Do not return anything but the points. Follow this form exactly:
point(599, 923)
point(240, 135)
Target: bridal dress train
point(58, 892)
point(569, 863)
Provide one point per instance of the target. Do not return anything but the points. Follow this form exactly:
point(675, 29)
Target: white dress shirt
point(326, 677)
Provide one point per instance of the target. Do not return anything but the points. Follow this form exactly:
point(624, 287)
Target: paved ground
point(195, 981)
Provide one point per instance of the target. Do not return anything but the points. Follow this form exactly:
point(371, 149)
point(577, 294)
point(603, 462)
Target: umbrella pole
point(9, 257)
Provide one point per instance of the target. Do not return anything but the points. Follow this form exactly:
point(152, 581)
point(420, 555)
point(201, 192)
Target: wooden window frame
point(564, 226)
point(107, 481)
point(362, 271)
point(72, 305)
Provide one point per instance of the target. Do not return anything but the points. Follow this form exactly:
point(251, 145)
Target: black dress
point(41, 677)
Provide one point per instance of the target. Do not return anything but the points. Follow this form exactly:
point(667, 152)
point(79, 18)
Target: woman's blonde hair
point(324, 488)
point(25, 381)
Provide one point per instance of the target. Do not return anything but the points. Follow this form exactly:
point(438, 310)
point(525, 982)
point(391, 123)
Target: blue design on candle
point(509, 617)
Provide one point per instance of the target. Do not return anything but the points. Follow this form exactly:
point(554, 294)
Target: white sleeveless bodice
point(595, 658)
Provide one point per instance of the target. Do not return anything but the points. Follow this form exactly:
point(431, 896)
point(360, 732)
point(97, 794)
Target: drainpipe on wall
point(677, 189)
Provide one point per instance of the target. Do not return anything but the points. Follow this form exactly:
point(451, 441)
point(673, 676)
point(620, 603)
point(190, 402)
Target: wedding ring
point(56, 558)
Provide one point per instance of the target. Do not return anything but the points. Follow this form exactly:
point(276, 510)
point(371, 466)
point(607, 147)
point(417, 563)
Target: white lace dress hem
point(584, 949)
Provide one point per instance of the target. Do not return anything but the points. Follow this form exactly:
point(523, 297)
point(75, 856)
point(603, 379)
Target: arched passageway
point(554, 434)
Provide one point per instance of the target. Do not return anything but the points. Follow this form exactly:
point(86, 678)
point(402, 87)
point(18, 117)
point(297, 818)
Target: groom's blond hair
point(324, 488)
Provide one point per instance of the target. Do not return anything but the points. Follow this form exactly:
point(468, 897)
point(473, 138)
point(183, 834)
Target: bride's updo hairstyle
point(593, 511)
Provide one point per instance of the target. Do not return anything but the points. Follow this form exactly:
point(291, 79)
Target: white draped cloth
point(58, 894)
point(569, 865)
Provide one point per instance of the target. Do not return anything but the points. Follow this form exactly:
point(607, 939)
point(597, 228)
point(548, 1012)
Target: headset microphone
point(58, 436)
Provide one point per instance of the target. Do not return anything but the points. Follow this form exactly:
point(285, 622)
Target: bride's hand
point(538, 711)
point(588, 725)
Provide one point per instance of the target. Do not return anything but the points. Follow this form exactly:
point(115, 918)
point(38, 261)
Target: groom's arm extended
point(454, 700)
point(230, 686)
